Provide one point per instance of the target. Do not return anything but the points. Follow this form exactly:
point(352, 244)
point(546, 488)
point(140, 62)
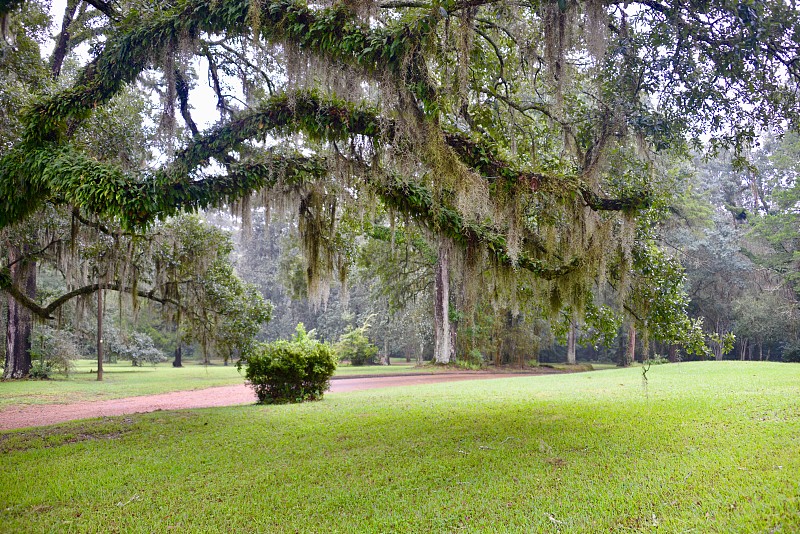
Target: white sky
point(202, 97)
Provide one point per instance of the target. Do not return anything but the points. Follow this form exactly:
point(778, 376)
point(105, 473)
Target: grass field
point(123, 380)
point(705, 447)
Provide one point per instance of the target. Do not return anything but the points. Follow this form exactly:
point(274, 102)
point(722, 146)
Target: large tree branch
point(62, 46)
point(376, 50)
point(108, 191)
point(182, 91)
point(106, 8)
point(45, 312)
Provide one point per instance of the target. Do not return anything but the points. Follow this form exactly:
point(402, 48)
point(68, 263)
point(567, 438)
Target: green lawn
point(706, 447)
point(119, 380)
point(123, 380)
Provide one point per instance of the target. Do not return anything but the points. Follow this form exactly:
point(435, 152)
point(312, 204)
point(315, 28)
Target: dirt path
point(48, 414)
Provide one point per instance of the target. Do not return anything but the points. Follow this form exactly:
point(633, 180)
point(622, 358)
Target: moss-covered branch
point(65, 173)
point(333, 33)
point(416, 201)
point(46, 312)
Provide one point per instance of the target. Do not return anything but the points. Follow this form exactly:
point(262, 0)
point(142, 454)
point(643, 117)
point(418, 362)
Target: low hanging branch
point(414, 200)
point(378, 51)
point(46, 312)
point(103, 189)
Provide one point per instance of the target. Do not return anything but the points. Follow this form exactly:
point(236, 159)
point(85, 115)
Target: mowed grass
point(119, 380)
point(705, 447)
point(123, 380)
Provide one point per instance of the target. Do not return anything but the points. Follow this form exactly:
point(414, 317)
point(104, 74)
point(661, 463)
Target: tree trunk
point(178, 361)
point(386, 350)
point(630, 349)
point(571, 360)
point(620, 353)
point(60, 51)
point(673, 353)
point(498, 342)
point(453, 339)
point(19, 320)
point(441, 312)
point(100, 335)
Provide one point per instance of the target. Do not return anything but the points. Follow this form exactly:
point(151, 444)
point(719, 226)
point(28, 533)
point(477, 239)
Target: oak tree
point(527, 135)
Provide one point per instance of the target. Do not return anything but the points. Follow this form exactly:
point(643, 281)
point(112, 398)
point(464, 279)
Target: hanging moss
point(330, 32)
point(482, 190)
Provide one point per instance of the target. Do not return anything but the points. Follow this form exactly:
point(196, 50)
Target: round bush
point(290, 371)
point(355, 347)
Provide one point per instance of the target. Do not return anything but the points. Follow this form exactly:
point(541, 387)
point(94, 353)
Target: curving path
point(48, 414)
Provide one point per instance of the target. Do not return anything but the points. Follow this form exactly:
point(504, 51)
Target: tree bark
point(19, 319)
point(620, 350)
point(627, 351)
point(100, 335)
point(571, 359)
point(60, 51)
point(178, 362)
point(441, 311)
point(453, 339)
point(673, 353)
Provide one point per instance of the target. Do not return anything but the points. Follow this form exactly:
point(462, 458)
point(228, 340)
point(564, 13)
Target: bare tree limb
point(106, 8)
point(62, 46)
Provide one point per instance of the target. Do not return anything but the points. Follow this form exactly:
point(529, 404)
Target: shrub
point(136, 347)
point(656, 359)
point(290, 371)
point(791, 352)
point(52, 351)
point(473, 360)
point(355, 346)
point(41, 370)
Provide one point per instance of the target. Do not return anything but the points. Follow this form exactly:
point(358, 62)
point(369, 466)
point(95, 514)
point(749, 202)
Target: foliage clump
point(52, 351)
point(355, 347)
point(137, 347)
point(41, 370)
point(284, 371)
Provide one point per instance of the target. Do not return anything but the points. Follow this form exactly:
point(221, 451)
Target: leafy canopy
point(531, 134)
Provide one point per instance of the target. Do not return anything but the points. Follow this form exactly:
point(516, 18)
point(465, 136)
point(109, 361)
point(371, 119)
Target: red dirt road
point(48, 414)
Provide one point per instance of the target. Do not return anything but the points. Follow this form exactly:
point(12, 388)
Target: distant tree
point(354, 346)
point(138, 348)
point(183, 265)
